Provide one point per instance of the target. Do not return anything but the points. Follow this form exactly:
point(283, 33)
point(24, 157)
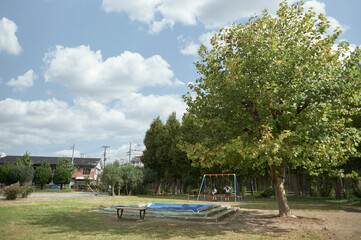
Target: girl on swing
point(228, 192)
point(214, 193)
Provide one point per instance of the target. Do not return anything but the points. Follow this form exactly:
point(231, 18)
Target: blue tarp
point(175, 206)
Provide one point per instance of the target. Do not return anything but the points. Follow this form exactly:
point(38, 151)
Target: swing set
point(236, 194)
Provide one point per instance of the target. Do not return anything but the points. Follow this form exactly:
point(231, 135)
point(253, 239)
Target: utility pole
point(130, 152)
point(105, 154)
point(72, 155)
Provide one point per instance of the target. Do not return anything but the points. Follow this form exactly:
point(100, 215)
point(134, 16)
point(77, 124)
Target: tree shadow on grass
point(93, 224)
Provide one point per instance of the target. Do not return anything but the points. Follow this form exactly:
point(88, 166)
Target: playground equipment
point(236, 194)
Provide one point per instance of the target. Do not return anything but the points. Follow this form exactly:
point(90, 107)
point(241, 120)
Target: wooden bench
point(121, 209)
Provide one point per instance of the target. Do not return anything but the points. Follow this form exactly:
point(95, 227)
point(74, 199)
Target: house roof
point(89, 162)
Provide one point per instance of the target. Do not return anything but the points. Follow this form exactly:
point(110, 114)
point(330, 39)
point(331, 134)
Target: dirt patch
point(344, 224)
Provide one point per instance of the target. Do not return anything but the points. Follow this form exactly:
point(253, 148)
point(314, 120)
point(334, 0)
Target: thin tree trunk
point(118, 189)
point(337, 188)
point(157, 188)
point(174, 191)
point(113, 194)
point(278, 180)
point(296, 184)
point(252, 192)
point(190, 188)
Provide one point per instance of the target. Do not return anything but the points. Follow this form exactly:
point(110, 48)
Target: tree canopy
point(43, 174)
point(63, 172)
point(274, 92)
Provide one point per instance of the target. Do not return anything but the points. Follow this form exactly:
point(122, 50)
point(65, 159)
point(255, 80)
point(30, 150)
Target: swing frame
point(236, 187)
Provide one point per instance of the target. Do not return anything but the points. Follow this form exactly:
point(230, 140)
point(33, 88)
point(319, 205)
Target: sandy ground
point(344, 224)
point(334, 225)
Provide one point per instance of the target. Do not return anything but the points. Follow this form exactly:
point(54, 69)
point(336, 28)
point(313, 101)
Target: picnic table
point(141, 211)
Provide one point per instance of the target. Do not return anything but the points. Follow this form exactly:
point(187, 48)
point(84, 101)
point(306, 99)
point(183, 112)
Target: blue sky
point(95, 73)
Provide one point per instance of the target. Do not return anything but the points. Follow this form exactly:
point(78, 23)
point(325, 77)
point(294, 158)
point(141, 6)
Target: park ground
point(69, 218)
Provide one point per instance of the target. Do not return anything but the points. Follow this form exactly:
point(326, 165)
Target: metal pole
point(199, 192)
point(235, 188)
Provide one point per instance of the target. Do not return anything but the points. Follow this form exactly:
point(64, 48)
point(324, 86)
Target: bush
point(195, 191)
point(267, 193)
point(25, 191)
point(11, 193)
point(82, 186)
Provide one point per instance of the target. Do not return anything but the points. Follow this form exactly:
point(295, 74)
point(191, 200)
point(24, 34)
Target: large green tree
point(273, 93)
point(43, 174)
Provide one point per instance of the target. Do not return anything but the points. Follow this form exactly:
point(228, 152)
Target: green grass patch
point(44, 218)
point(53, 190)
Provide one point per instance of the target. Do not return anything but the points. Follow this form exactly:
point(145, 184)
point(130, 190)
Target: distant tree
point(111, 176)
point(43, 174)
point(177, 163)
point(63, 172)
point(25, 160)
point(131, 177)
point(156, 153)
point(23, 171)
point(5, 177)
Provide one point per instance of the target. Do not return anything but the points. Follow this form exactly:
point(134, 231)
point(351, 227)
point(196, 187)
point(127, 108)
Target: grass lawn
point(51, 218)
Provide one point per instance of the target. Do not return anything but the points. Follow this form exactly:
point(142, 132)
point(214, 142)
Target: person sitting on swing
point(214, 193)
point(228, 192)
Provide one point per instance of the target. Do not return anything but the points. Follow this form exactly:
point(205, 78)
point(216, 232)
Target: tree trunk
point(113, 194)
point(337, 188)
point(278, 180)
point(118, 189)
point(41, 186)
point(252, 192)
point(157, 188)
point(190, 188)
point(126, 188)
point(296, 184)
point(174, 191)
point(61, 186)
point(302, 178)
point(265, 183)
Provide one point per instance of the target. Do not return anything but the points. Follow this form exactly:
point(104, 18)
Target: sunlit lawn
point(50, 218)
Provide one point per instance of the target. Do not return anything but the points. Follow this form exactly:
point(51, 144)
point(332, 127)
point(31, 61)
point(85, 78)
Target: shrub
point(11, 193)
point(267, 193)
point(195, 191)
point(25, 191)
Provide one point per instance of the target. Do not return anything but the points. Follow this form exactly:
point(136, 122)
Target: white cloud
point(22, 82)
point(211, 13)
point(8, 40)
point(53, 121)
point(140, 10)
point(84, 73)
point(191, 48)
point(320, 8)
point(68, 153)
